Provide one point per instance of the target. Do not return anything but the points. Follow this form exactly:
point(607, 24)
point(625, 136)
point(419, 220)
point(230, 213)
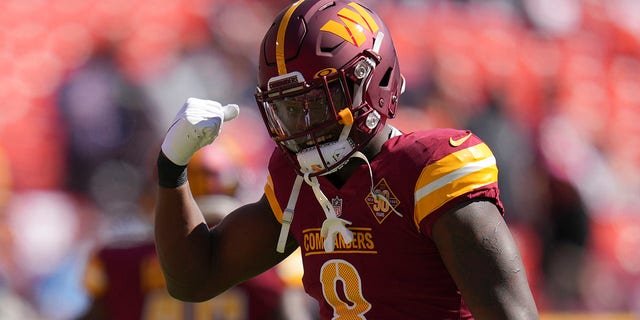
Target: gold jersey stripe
point(452, 176)
point(282, 30)
point(439, 197)
point(452, 162)
point(436, 182)
point(269, 191)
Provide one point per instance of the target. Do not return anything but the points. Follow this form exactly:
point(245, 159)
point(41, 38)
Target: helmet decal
point(325, 72)
point(282, 30)
point(353, 24)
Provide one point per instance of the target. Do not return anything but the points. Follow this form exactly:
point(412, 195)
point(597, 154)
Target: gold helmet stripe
point(282, 30)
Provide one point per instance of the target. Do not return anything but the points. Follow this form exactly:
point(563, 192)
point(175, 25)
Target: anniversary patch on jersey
point(382, 209)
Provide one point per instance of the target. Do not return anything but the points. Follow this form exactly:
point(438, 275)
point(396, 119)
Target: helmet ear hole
point(384, 82)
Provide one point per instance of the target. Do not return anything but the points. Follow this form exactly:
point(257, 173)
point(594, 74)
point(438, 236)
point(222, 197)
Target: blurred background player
point(124, 277)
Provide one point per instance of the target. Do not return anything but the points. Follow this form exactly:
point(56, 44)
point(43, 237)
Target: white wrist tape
point(196, 125)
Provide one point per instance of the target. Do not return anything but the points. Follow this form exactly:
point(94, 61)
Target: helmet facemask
point(312, 120)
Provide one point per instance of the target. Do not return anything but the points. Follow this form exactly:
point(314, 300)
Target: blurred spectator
point(564, 233)
point(111, 127)
point(46, 246)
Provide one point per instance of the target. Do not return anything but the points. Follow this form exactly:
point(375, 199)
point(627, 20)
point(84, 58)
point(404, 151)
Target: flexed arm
point(181, 233)
point(199, 263)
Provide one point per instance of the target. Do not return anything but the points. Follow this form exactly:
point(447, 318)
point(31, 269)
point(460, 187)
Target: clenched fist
point(196, 125)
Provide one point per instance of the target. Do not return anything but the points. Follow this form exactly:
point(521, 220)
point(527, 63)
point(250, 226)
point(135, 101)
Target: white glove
point(196, 125)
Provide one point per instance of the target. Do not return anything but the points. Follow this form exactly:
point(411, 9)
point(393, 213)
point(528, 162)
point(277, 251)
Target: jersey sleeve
point(461, 167)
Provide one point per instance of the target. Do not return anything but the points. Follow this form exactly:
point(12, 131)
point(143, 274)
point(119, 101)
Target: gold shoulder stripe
point(270, 192)
point(453, 175)
point(452, 162)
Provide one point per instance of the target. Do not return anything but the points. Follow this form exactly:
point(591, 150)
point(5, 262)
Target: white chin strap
point(332, 152)
point(332, 225)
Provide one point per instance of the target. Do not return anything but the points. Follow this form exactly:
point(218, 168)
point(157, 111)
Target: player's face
point(308, 118)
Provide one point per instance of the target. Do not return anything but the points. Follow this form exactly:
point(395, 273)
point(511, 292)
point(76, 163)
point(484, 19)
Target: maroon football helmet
point(328, 79)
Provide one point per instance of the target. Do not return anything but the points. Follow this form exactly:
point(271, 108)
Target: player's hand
point(196, 125)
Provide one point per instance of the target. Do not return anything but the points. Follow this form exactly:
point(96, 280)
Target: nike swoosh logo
point(458, 142)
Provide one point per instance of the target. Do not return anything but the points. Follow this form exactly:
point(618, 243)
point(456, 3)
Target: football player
point(391, 225)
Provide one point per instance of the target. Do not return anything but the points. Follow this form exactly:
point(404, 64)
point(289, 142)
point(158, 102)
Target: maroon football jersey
point(391, 269)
